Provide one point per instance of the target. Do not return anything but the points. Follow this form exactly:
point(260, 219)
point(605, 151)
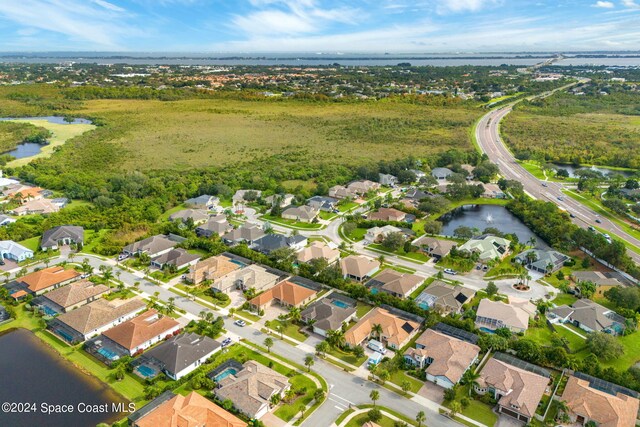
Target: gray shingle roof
point(182, 350)
point(55, 234)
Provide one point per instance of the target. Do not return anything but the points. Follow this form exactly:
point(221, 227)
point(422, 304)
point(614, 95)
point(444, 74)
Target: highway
point(489, 140)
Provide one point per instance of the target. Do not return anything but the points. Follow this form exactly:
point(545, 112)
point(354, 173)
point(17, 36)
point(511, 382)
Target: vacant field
point(146, 134)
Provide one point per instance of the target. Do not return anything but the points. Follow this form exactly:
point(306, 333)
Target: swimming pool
point(146, 371)
point(487, 330)
point(108, 353)
point(241, 264)
point(224, 374)
point(340, 304)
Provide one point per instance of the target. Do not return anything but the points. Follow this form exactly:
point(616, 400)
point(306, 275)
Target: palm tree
point(471, 379)
point(374, 396)
point(420, 418)
point(532, 241)
point(280, 329)
point(321, 348)
point(71, 256)
point(294, 314)
point(308, 361)
point(384, 376)
point(336, 338)
point(376, 329)
point(171, 306)
point(136, 286)
point(268, 342)
point(381, 259)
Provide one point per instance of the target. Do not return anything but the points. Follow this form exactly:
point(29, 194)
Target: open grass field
point(210, 132)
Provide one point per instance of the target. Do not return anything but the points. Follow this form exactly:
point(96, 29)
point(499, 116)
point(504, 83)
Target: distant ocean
point(317, 59)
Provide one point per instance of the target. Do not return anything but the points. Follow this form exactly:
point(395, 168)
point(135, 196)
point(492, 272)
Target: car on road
point(571, 215)
point(240, 323)
point(225, 342)
point(544, 184)
point(450, 271)
point(598, 221)
point(561, 198)
point(593, 230)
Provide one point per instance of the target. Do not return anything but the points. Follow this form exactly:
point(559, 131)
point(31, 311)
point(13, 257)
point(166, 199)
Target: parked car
point(450, 271)
point(240, 323)
point(226, 342)
point(544, 184)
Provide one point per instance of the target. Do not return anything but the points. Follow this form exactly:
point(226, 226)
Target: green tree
point(420, 418)
point(604, 346)
point(374, 415)
point(322, 347)
point(308, 361)
point(268, 342)
point(406, 386)
point(491, 289)
point(374, 396)
point(393, 241)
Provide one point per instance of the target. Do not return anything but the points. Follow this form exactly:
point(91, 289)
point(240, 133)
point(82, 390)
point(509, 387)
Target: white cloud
point(604, 4)
point(457, 6)
point(109, 6)
point(631, 4)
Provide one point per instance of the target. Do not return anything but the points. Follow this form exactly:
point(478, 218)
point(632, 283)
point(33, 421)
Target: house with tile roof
point(341, 192)
point(214, 226)
point(14, 251)
point(47, 279)
point(73, 295)
point(517, 390)
point(286, 294)
point(182, 354)
point(141, 332)
point(446, 358)
point(96, 317)
point(282, 200)
point(362, 187)
point(606, 408)
point(317, 250)
point(603, 280)
point(436, 248)
point(542, 261)
point(393, 282)
point(329, 314)
point(198, 216)
point(252, 276)
point(589, 316)
point(212, 268)
point(445, 298)
point(178, 257)
point(396, 331)
point(153, 246)
point(39, 206)
point(300, 213)
point(63, 235)
point(175, 410)
point(252, 388)
point(246, 233)
point(204, 201)
point(492, 315)
point(376, 234)
point(487, 247)
point(358, 267)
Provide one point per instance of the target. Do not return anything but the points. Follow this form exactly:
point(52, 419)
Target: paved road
point(488, 136)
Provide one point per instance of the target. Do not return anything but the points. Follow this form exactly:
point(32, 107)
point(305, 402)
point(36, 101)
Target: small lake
point(31, 372)
point(602, 169)
point(484, 216)
point(59, 120)
point(25, 149)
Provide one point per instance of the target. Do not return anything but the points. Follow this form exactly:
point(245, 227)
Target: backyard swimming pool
point(224, 374)
point(340, 304)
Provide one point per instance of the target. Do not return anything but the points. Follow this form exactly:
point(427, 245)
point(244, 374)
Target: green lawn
point(288, 411)
point(166, 214)
point(199, 291)
point(345, 206)
point(356, 235)
point(576, 344)
point(290, 223)
point(347, 357)
point(505, 267)
point(399, 376)
point(362, 309)
point(476, 410)
point(291, 330)
point(418, 257)
point(422, 287)
point(566, 299)
point(361, 419)
point(92, 239)
point(32, 243)
point(540, 335)
point(327, 215)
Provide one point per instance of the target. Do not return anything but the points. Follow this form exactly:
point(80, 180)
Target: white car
point(450, 271)
point(240, 323)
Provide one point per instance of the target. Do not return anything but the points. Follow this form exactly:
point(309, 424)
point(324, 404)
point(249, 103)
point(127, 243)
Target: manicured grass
point(199, 291)
point(535, 170)
point(357, 234)
point(361, 419)
point(32, 243)
point(505, 267)
point(422, 287)
point(165, 216)
point(399, 376)
point(476, 410)
point(290, 223)
point(540, 335)
point(417, 257)
point(328, 216)
point(288, 411)
point(576, 344)
point(291, 330)
point(566, 299)
point(362, 309)
point(345, 206)
point(347, 357)
point(92, 240)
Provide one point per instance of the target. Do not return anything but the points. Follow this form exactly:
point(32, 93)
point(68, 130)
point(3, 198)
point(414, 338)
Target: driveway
point(432, 392)
point(271, 420)
point(506, 421)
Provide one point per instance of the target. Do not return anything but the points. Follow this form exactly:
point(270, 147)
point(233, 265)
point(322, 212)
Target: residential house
point(214, 226)
point(398, 284)
point(38, 206)
point(300, 213)
point(492, 315)
point(63, 235)
point(603, 281)
point(608, 405)
point(436, 248)
point(94, 318)
point(317, 250)
point(326, 204)
point(252, 388)
point(182, 354)
point(211, 269)
point(358, 267)
point(387, 179)
point(589, 316)
point(487, 247)
point(445, 298)
point(239, 196)
point(198, 216)
point(192, 410)
point(178, 258)
point(518, 389)
point(329, 314)
point(376, 234)
point(14, 251)
point(47, 279)
point(141, 332)
point(153, 246)
point(202, 202)
point(441, 173)
point(4, 314)
point(23, 193)
point(446, 358)
point(6, 220)
point(341, 192)
point(492, 191)
point(396, 330)
point(363, 187)
point(286, 294)
point(418, 173)
point(282, 199)
point(389, 214)
point(416, 195)
point(74, 295)
point(246, 233)
point(271, 242)
point(60, 202)
point(542, 261)
point(251, 276)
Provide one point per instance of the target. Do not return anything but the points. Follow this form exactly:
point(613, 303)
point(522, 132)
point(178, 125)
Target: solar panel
point(461, 298)
point(605, 386)
point(518, 363)
point(407, 328)
point(455, 332)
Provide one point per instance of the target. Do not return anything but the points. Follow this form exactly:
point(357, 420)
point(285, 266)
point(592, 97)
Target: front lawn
point(298, 382)
point(33, 243)
point(413, 256)
point(199, 291)
point(92, 240)
point(328, 216)
point(347, 357)
point(345, 206)
point(361, 419)
point(290, 223)
point(476, 410)
point(564, 299)
point(399, 376)
point(291, 330)
point(356, 235)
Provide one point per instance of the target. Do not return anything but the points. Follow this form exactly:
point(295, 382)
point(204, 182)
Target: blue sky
point(318, 25)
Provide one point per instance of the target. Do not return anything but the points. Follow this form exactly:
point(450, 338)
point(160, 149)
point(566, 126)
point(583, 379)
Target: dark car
point(598, 221)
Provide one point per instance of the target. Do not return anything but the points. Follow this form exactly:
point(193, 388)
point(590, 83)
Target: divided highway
point(488, 137)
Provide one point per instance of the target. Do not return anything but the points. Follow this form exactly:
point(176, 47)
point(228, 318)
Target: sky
point(405, 26)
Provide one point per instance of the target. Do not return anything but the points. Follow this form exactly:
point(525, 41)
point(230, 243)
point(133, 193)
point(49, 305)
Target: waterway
point(602, 169)
point(485, 216)
point(32, 374)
